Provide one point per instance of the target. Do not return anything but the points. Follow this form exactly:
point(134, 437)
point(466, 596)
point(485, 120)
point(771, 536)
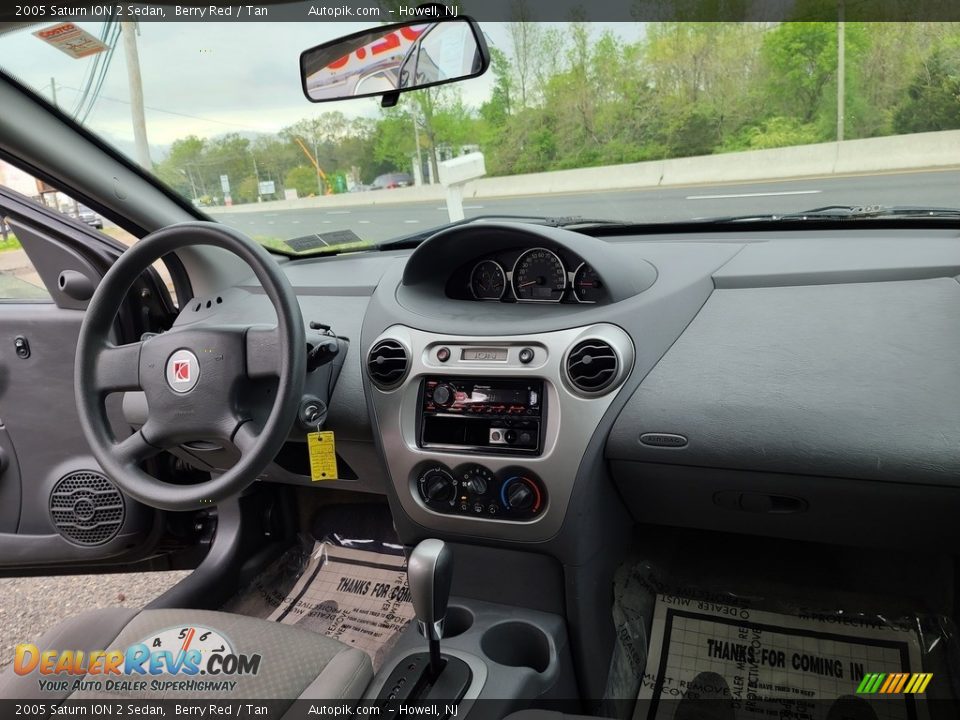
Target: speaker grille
point(86, 508)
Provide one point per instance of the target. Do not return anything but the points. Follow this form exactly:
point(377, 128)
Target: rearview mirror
point(392, 59)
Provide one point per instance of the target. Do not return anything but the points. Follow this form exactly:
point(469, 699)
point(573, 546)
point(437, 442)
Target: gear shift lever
point(420, 675)
point(429, 574)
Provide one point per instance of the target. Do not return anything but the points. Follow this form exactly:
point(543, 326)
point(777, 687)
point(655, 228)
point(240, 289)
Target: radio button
point(443, 354)
point(443, 395)
point(526, 355)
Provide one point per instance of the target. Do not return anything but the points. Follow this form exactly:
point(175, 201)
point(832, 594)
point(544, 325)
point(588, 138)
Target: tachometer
point(488, 280)
point(539, 276)
point(587, 285)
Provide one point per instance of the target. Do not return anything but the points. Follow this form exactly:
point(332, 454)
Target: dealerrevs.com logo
point(179, 654)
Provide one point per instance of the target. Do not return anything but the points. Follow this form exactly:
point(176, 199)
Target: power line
point(172, 112)
point(94, 67)
point(103, 72)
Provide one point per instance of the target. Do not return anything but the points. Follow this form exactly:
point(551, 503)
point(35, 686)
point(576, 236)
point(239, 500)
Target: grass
point(11, 243)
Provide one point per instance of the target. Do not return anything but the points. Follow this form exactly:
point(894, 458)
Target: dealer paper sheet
point(774, 665)
point(355, 596)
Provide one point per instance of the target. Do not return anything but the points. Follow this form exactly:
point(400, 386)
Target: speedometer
point(539, 276)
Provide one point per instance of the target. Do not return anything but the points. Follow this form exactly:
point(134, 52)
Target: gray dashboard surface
point(843, 256)
point(823, 353)
point(852, 379)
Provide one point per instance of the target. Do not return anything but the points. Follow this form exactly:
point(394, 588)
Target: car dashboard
point(795, 384)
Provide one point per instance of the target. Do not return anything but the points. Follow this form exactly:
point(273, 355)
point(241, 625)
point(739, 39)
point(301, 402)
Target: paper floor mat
point(769, 664)
point(358, 597)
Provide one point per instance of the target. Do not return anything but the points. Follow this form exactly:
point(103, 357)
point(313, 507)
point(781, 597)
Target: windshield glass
point(644, 122)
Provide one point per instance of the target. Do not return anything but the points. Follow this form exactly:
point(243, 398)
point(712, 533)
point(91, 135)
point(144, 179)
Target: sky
point(208, 79)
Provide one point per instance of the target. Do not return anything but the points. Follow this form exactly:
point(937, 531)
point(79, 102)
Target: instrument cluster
point(531, 275)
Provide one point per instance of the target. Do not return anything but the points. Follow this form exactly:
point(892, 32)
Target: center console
point(484, 435)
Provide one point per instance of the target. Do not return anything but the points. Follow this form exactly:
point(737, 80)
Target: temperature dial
point(437, 487)
point(521, 494)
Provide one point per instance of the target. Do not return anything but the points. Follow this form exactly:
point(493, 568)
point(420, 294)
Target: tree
point(497, 109)
point(393, 139)
point(182, 168)
point(933, 97)
point(526, 40)
point(801, 59)
point(303, 179)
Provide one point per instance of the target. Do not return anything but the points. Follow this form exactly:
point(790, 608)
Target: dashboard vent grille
point(86, 508)
point(387, 364)
point(592, 366)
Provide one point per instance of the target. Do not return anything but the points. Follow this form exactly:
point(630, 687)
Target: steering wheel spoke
point(134, 449)
point(246, 436)
point(117, 368)
point(262, 351)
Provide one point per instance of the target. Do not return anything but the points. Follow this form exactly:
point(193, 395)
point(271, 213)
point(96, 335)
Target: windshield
point(643, 122)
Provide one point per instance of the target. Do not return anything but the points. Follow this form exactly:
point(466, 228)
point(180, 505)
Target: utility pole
point(53, 91)
point(418, 175)
point(129, 31)
point(841, 71)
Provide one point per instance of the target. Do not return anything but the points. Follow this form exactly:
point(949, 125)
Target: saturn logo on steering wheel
point(183, 371)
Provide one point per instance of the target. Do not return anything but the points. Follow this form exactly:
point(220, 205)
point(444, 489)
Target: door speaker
point(86, 508)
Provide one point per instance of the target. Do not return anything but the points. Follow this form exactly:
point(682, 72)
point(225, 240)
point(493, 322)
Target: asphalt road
point(381, 222)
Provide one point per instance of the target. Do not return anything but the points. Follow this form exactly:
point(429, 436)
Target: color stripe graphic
point(894, 683)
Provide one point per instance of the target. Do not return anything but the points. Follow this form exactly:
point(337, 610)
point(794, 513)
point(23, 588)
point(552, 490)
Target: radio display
point(502, 397)
point(482, 414)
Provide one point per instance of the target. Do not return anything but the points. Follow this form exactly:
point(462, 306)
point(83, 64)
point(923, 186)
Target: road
point(381, 222)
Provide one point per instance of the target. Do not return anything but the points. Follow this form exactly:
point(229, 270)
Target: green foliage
point(246, 191)
point(10, 243)
point(773, 132)
point(303, 179)
point(801, 60)
point(933, 98)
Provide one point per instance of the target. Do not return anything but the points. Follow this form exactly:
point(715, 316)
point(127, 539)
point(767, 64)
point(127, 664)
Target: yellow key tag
point(323, 456)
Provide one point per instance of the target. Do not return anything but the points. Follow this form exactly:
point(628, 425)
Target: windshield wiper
point(844, 212)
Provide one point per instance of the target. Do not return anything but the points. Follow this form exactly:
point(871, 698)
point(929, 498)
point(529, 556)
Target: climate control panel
point(474, 490)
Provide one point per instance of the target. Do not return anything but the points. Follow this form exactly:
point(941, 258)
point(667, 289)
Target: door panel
point(59, 509)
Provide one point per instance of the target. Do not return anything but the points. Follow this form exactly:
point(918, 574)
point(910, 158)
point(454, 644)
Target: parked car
point(389, 181)
point(85, 214)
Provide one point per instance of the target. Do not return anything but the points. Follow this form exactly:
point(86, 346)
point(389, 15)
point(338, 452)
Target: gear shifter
point(420, 675)
point(429, 575)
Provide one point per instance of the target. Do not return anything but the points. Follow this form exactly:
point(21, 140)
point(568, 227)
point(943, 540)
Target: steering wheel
point(202, 381)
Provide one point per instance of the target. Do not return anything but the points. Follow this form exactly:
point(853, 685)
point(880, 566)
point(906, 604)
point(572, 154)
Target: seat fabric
point(295, 663)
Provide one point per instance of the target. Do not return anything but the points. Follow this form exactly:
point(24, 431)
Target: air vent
point(592, 365)
point(86, 508)
point(387, 364)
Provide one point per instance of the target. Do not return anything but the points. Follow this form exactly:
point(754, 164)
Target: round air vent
point(387, 364)
point(592, 365)
point(86, 508)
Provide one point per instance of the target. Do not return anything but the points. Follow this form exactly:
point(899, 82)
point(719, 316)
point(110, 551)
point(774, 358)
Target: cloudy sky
point(207, 78)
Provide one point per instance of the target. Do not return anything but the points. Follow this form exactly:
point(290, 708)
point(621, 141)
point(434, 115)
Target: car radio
point(481, 414)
